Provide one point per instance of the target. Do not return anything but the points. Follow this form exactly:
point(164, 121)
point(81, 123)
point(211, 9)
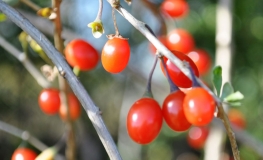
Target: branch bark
point(65, 71)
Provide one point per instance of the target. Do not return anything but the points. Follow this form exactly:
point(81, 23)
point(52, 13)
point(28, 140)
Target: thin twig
point(32, 5)
point(64, 69)
point(63, 86)
point(117, 33)
point(100, 10)
point(41, 80)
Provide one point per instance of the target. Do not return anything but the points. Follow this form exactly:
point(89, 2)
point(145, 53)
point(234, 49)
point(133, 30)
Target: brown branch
point(71, 142)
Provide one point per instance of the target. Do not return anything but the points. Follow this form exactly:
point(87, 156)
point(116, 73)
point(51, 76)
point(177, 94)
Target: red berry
point(202, 60)
point(175, 8)
point(81, 54)
point(177, 76)
point(24, 154)
point(115, 55)
point(49, 101)
point(180, 40)
point(74, 108)
point(144, 120)
point(237, 118)
point(199, 106)
point(197, 136)
point(173, 112)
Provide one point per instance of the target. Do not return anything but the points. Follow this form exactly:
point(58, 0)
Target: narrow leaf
point(217, 79)
point(235, 104)
point(237, 96)
point(227, 90)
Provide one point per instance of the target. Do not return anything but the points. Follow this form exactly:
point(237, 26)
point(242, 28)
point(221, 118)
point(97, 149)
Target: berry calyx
point(173, 111)
point(144, 120)
point(199, 106)
point(81, 54)
point(115, 55)
point(49, 101)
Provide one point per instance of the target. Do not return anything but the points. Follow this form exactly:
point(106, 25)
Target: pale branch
point(41, 80)
point(65, 71)
point(24, 135)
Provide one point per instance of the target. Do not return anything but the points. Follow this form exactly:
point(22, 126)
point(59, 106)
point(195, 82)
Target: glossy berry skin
point(197, 136)
point(144, 120)
point(237, 118)
point(24, 154)
point(180, 40)
point(74, 108)
point(115, 55)
point(173, 112)
point(199, 106)
point(175, 8)
point(49, 101)
point(176, 74)
point(81, 54)
point(201, 59)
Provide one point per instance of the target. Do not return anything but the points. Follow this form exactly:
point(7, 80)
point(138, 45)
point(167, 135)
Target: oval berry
point(173, 111)
point(49, 101)
point(180, 40)
point(237, 118)
point(24, 154)
point(74, 108)
point(144, 120)
point(175, 8)
point(115, 55)
point(197, 136)
point(199, 106)
point(81, 54)
point(177, 76)
point(201, 59)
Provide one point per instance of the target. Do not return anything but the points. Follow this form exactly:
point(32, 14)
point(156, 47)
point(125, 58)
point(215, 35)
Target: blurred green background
point(114, 94)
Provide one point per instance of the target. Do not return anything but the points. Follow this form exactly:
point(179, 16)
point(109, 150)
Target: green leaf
point(235, 104)
point(2, 17)
point(237, 96)
point(227, 90)
point(217, 79)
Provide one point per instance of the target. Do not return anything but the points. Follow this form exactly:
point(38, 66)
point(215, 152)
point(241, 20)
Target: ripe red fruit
point(115, 55)
point(237, 118)
point(173, 112)
point(176, 74)
point(49, 101)
point(24, 154)
point(74, 108)
point(81, 54)
point(175, 8)
point(199, 106)
point(197, 136)
point(180, 40)
point(202, 60)
point(144, 120)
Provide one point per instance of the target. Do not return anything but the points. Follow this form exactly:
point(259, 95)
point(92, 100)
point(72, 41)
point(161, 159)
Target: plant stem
point(71, 143)
point(117, 33)
point(149, 82)
point(173, 87)
point(31, 5)
point(41, 80)
point(231, 135)
point(64, 69)
point(100, 10)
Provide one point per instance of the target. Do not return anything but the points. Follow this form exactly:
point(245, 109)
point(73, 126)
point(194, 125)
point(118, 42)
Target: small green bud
point(97, 28)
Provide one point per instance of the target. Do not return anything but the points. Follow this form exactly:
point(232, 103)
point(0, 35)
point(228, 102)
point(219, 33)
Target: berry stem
point(32, 5)
point(117, 33)
point(173, 87)
point(148, 92)
point(100, 10)
point(194, 80)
